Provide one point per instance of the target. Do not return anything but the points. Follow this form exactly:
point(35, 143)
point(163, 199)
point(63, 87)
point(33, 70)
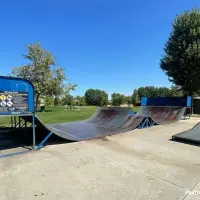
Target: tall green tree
point(117, 99)
point(163, 92)
point(96, 97)
point(181, 61)
point(151, 91)
point(128, 100)
point(148, 91)
point(41, 70)
point(68, 100)
point(48, 101)
point(79, 101)
point(141, 92)
point(56, 101)
point(176, 91)
point(135, 97)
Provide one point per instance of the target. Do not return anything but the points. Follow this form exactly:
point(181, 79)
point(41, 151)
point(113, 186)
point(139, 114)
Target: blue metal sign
point(16, 96)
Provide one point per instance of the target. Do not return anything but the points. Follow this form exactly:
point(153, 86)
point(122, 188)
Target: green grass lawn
point(60, 114)
point(136, 109)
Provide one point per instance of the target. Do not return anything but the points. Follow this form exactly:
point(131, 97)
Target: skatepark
point(112, 155)
point(139, 164)
point(17, 101)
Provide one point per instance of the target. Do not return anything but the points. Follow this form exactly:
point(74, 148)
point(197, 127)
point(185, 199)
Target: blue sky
point(112, 45)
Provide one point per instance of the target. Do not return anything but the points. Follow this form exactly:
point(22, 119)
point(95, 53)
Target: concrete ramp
point(112, 120)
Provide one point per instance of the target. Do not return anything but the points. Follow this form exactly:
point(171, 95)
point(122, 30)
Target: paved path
point(141, 164)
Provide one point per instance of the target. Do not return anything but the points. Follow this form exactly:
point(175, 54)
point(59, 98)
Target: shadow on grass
point(39, 111)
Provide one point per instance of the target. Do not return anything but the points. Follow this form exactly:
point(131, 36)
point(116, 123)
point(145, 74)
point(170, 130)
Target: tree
point(141, 92)
point(151, 91)
point(48, 101)
point(56, 101)
point(148, 91)
point(181, 61)
point(96, 97)
point(42, 72)
point(163, 92)
point(176, 91)
point(68, 100)
point(135, 97)
point(128, 100)
point(79, 101)
point(117, 99)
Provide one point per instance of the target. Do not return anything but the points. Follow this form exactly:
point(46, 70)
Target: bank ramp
point(191, 135)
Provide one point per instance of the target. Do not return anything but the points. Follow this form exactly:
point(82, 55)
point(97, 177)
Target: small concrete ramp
point(191, 135)
point(111, 120)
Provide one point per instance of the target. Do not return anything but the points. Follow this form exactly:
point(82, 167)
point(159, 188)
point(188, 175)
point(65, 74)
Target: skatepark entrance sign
point(13, 101)
point(17, 100)
point(16, 96)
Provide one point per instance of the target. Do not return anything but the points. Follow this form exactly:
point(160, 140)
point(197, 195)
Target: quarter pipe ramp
point(112, 120)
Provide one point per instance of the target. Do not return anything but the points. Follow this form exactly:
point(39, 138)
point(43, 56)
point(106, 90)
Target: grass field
point(61, 114)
